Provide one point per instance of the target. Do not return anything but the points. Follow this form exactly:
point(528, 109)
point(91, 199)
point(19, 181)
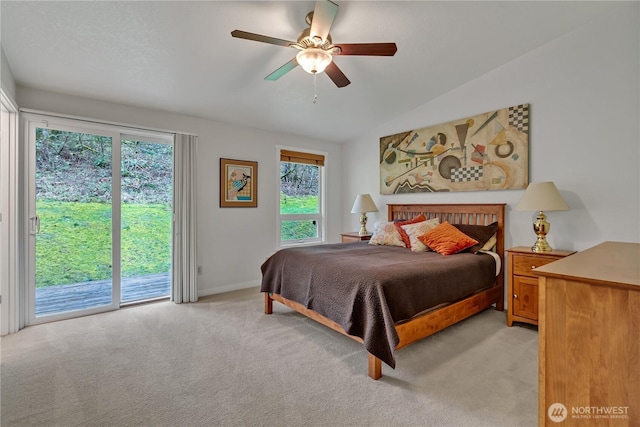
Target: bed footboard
point(374, 364)
point(375, 367)
point(268, 303)
point(408, 332)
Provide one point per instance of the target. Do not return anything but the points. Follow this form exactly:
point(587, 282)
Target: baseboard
point(228, 288)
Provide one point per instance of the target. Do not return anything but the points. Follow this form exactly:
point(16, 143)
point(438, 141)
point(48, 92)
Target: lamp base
point(363, 224)
point(541, 246)
point(541, 228)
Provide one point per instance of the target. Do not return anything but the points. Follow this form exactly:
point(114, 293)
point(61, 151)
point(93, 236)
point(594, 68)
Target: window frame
point(318, 217)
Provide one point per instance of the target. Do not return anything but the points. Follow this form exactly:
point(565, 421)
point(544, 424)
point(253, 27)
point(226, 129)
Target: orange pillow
point(446, 239)
point(405, 237)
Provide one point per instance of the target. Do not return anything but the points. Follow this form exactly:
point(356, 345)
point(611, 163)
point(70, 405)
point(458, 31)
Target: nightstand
point(522, 284)
point(354, 237)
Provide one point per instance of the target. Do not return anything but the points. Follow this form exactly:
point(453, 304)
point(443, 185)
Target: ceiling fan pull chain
point(315, 89)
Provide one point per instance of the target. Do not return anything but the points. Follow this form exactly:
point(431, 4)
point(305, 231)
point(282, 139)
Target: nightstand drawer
point(524, 264)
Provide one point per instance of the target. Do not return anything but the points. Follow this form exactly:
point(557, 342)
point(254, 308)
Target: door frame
point(10, 271)
point(117, 134)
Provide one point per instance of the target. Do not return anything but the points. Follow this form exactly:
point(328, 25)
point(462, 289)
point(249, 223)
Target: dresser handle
point(533, 267)
point(515, 296)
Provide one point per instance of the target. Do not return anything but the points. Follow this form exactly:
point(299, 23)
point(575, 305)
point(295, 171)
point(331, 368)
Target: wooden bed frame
point(433, 321)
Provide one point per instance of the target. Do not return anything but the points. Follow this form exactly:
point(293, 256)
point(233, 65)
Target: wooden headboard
point(475, 214)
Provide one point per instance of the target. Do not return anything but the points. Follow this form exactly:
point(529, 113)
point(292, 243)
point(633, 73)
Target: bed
point(380, 295)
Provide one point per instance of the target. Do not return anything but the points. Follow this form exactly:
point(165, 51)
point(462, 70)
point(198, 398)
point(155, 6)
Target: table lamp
point(362, 205)
point(541, 196)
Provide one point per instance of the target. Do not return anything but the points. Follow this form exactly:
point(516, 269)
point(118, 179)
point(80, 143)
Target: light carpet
point(222, 362)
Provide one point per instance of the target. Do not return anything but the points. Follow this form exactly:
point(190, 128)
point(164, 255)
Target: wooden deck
point(78, 296)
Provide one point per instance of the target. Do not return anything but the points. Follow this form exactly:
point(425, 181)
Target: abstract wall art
point(488, 151)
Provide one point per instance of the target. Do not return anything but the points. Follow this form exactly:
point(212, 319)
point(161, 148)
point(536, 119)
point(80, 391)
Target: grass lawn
point(296, 230)
point(74, 244)
point(298, 205)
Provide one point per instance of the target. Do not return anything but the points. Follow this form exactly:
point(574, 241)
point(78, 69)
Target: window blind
point(299, 157)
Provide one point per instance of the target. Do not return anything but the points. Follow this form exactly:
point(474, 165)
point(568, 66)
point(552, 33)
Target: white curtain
point(184, 220)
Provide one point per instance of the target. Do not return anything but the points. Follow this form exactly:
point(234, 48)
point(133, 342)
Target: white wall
point(6, 76)
point(583, 90)
point(232, 242)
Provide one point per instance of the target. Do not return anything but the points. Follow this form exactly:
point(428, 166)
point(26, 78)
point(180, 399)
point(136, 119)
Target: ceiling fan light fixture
point(316, 46)
point(314, 60)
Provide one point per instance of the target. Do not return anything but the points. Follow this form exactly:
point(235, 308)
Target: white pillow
point(386, 233)
point(418, 229)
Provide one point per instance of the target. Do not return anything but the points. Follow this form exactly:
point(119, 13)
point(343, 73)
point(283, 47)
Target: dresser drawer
point(524, 264)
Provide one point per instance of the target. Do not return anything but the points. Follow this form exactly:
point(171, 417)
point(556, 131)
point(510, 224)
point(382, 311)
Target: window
point(300, 213)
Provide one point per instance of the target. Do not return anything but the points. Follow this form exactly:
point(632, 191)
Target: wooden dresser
point(589, 338)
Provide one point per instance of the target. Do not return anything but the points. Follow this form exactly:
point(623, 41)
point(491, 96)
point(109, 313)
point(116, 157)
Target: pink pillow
point(446, 239)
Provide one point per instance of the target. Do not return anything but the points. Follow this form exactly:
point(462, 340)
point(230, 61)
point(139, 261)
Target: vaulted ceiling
point(179, 56)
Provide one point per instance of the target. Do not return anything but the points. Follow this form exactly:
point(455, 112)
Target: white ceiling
point(179, 56)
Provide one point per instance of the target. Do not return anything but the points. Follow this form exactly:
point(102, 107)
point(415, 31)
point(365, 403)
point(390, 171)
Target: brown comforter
point(366, 289)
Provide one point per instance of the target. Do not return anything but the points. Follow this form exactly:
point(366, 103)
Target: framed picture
point(238, 183)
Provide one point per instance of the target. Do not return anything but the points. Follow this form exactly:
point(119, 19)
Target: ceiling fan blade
point(336, 75)
point(283, 70)
point(370, 49)
point(323, 16)
point(260, 38)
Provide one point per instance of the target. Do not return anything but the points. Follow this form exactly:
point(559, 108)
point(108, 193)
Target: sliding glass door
point(147, 192)
point(72, 227)
point(99, 220)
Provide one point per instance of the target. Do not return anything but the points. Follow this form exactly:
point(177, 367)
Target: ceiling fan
point(315, 46)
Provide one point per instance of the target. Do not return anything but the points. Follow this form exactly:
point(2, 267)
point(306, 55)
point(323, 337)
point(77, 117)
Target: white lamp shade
point(542, 196)
point(364, 203)
point(313, 60)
